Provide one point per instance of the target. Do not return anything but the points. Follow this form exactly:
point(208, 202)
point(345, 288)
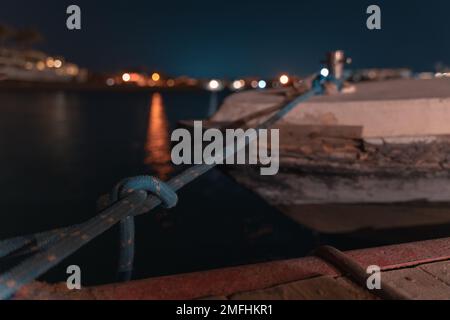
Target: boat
point(36, 66)
point(375, 157)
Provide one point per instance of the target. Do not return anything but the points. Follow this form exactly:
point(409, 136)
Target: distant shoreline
point(73, 86)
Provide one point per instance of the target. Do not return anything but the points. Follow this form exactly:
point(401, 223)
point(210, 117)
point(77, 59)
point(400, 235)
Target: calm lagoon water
point(60, 151)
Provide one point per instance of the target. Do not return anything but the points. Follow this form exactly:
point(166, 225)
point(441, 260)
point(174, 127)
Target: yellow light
point(126, 77)
point(284, 79)
point(170, 82)
point(72, 70)
point(156, 77)
point(40, 65)
point(57, 63)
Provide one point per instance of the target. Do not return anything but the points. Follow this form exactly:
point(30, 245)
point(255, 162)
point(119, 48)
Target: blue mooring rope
point(128, 199)
point(156, 187)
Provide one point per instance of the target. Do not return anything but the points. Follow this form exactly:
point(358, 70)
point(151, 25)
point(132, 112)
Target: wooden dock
point(418, 270)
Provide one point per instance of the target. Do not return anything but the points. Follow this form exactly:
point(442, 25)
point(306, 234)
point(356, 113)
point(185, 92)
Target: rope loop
point(151, 184)
point(155, 187)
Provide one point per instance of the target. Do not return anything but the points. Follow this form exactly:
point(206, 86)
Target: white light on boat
point(262, 84)
point(214, 85)
point(442, 75)
point(284, 79)
point(325, 72)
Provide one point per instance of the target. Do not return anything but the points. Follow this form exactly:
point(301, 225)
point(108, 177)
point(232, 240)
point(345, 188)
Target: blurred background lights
point(110, 82)
point(57, 63)
point(238, 84)
point(170, 82)
point(126, 77)
point(262, 84)
point(40, 65)
point(284, 79)
point(50, 62)
point(214, 85)
point(325, 72)
point(156, 76)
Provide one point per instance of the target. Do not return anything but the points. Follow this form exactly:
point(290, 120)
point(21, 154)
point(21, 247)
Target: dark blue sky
point(236, 38)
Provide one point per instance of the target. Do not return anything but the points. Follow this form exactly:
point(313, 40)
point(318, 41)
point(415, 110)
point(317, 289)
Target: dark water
point(61, 151)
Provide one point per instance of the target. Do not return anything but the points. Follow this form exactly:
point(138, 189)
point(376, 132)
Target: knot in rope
point(153, 185)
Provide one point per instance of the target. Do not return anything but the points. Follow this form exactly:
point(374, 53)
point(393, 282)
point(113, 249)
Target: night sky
point(231, 38)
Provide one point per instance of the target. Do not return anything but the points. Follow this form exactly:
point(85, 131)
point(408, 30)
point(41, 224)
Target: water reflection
point(157, 147)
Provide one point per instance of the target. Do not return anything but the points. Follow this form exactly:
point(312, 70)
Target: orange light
point(156, 77)
point(135, 77)
point(40, 65)
point(50, 62)
point(157, 147)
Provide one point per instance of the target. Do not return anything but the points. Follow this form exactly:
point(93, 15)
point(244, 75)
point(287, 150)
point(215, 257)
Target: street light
point(262, 84)
point(214, 85)
point(156, 77)
point(284, 79)
point(238, 84)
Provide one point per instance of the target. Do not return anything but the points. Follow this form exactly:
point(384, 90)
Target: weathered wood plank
point(417, 284)
point(440, 270)
point(225, 282)
point(320, 288)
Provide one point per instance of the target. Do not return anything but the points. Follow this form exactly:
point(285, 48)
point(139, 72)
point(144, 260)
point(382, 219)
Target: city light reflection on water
point(157, 146)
